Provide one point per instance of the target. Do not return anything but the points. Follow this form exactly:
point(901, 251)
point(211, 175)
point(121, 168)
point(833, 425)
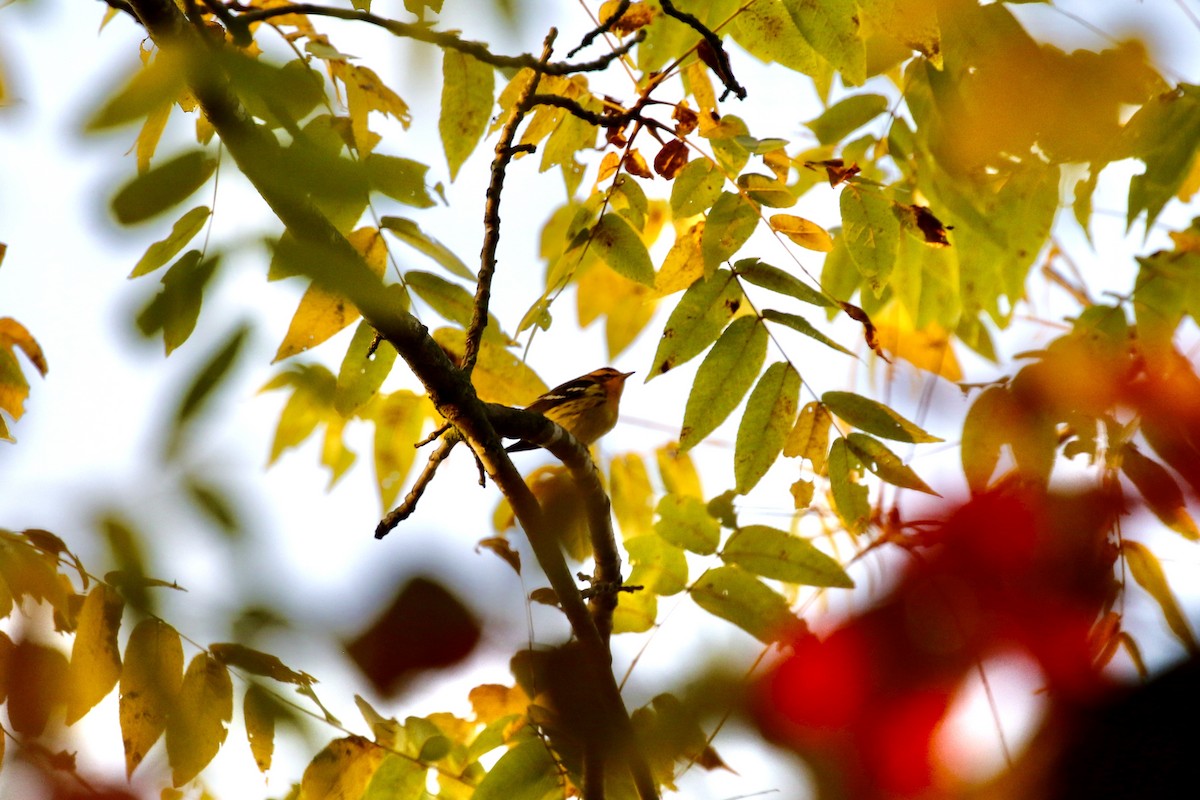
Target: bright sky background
point(89, 441)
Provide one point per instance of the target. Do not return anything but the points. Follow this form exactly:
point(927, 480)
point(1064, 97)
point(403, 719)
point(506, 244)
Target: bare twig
point(605, 27)
point(422, 33)
point(602, 120)
point(491, 211)
point(723, 68)
point(409, 504)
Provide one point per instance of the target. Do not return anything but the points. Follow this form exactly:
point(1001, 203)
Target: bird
point(585, 406)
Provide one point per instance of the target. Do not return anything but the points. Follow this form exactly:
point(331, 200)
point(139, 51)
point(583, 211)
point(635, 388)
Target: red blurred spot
point(823, 685)
point(900, 746)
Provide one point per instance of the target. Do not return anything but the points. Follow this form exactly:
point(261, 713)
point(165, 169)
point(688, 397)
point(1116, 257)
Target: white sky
point(89, 440)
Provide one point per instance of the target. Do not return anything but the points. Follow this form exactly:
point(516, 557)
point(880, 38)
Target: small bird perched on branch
point(586, 406)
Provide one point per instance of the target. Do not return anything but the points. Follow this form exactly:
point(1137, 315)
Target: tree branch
point(422, 33)
point(723, 68)
point(491, 211)
point(331, 261)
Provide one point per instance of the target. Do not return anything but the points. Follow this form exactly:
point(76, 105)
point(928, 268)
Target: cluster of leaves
point(945, 206)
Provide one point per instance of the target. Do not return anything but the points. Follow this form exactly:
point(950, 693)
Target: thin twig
point(409, 504)
point(723, 69)
point(603, 28)
point(491, 211)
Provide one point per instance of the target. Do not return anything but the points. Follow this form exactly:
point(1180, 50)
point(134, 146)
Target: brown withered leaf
point(636, 165)
point(922, 219)
point(686, 120)
point(671, 158)
point(870, 335)
point(501, 547)
point(835, 169)
point(545, 595)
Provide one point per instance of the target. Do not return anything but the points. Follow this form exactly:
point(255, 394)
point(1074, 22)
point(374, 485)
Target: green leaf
point(411, 234)
point(696, 188)
point(985, 431)
point(201, 388)
point(1163, 134)
point(777, 280)
point(730, 223)
point(197, 726)
point(685, 522)
point(886, 464)
point(697, 320)
point(397, 778)
point(765, 424)
point(159, 253)
point(776, 554)
point(657, 564)
point(163, 187)
point(874, 417)
point(526, 772)
point(832, 28)
point(618, 245)
point(736, 596)
point(765, 29)
point(401, 179)
point(257, 662)
point(360, 377)
point(800, 324)
point(1148, 572)
point(468, 94)
point(846, 116)
point(849, 496)
point(449, 299)
point(872, 234)
point(766, 190)
point(1160, 491)
point(724, 377)
point(153, 86)
point(176, 307)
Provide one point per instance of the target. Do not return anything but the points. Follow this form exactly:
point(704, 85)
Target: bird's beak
point(625, 375)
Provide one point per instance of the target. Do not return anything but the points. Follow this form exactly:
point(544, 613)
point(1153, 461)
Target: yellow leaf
point(258, 711)
point(95, 659)
point(807, 234)
point(399, 419)
point(684, 262)
point(678, 472)
point(696, 76)
point(149, 685)
point(342, 770)
point(492, 701)
point(632, 495)
point(627, 306)
point(148, 136)
point(323, 313)
point(810, 436)
point(197, 726)
point(499, 376)
point(928, 348)
point(365, 92)
point(1148, 572)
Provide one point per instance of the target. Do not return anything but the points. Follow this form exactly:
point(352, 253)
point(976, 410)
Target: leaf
point(849, 496)
point(810, 436)
point(176, 307)
point(684, 264)
point(775, 279)
point(736, 596)
point(872, 234)
point(323, 313)
point(411, 234)
point(342, 771)
point(360, 376)
point(309, 405)
point(808, 235)
point(257, 662)
point(766, 30)
point(985, 431)
point(36, 677)
point(401, 179)
point(656, 564)
point(619, 246)
point(724, 377)
point(801, 325)
point(832, 28)
point(95, 657)
point(846, 116)
point(635, 613)
point(696, 188)
point(1148, 572)
point(875, 455)
point(627, 307)
point(764, 426)
point(184, 230)
point(1159, 490)
point(258, 712)
point(678, 472)
point(672, 157)
point(163, 187)
point(207, 379)
point(399, 418)
point(397, 778)
point(728, 226)
point(499, 376)
point(468, 95)
point(631, 495)
point(150, 684)
point(526, 772)
point(685, 522)
point(696, 321)
point(766, 190)
point(772, 553)
point(197, 726)
point(1163, 134)
point(875, 418)
point(448, 299)
point(154, 86)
